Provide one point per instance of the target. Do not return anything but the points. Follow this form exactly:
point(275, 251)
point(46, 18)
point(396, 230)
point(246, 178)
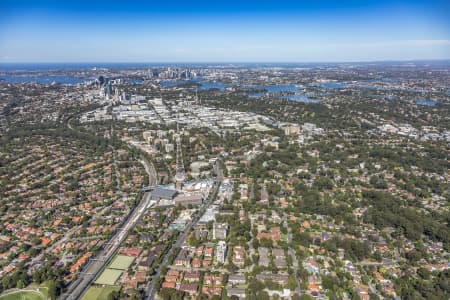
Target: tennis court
point(121, 262)
point(109, 277)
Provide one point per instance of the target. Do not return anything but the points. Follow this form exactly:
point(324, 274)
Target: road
point(201, 269)
point(116, 168)
point(150, 288)
point(65, 238)
point(292, 254)
point(150, 169)
point(384, 263)
point(93, 268)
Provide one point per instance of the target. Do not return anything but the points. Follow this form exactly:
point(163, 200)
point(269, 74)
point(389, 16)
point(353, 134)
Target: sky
point(223, 31)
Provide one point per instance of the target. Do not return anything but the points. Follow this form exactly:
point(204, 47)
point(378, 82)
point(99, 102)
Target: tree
point(114, 295)
point(424, 273)
point(20, 284)
point(255, 286)
point(262, 295)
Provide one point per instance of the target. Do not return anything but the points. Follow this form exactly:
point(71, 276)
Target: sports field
point(99, 293)
point(23, 295)
point(121, 262)
point(109, 276)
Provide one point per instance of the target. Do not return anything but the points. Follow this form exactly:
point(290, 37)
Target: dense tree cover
point(171, 294)
point(25, 132)
point(339, 113)
point(313, 203)
point(423, 287)
point(434, 160)
point(386, 210)
point(48, 274)
point(354, 249)
point(274, 107)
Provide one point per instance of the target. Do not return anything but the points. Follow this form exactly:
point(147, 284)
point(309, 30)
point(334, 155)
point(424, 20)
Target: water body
point(135, 81)
point(128, 65)
point(364, 87)
point(121, 65)
point(426, 102)
point(340, 85)
point(296, 97)
point(207, 85)
point(281, 88)
point(41, 79)
point(333, 85)
point(255, 95)
point(170, 83)
point(102, 65)
point(389, 79)
point(204, 84)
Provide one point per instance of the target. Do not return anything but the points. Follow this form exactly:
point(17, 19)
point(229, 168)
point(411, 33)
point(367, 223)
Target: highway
point(150, 169)
point(95, 265)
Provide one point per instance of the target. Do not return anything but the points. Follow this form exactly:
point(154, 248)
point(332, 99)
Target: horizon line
point(225, 62)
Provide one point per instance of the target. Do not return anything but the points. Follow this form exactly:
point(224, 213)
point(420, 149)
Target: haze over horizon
point(199, 31)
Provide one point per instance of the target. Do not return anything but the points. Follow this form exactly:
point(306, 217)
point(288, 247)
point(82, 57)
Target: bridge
point(147, 188)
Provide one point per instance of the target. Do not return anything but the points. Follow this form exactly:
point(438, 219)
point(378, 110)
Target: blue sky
point(223, 31)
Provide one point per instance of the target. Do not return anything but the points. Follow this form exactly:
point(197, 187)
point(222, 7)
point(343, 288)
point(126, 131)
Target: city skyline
point(202, 32)
point(231, 150)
